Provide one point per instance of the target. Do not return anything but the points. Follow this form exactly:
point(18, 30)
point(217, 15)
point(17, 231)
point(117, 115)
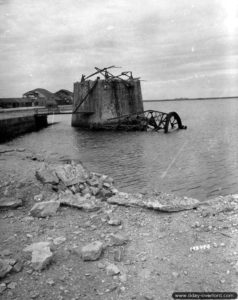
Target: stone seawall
point(14, 126)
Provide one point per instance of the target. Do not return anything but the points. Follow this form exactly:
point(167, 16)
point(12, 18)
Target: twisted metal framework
point(149, 119)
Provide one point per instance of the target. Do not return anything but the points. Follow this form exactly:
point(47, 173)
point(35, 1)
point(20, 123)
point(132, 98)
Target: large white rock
point(92, 251)
point(41, 255)
point(45, 209)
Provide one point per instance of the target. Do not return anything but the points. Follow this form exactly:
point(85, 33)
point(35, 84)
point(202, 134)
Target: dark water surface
point(200, 162)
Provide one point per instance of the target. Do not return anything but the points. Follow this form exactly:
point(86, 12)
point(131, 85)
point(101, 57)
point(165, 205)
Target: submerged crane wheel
point(173, 122)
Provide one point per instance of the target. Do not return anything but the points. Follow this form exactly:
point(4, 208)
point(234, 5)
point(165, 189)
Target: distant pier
point(16, 121)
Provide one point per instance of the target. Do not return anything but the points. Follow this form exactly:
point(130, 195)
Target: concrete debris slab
point(159, 201)
point(47, 175)
point(114, 221)
point(117, 239)
point(171, 203)
point(5, 267)
point(125, 199)
point(59, 240)
point(221, 204)
point(71, 174)
point(3, 287)
point(92, 251)
point(10, 203)
point(77, 201)
point(112, 270)
point(45, 209)
point(41, 255)
point(12, 285)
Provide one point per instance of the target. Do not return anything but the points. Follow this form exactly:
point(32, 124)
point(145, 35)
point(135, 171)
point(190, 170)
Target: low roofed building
point(64, 97)
point(15, 102)
point(41, 97)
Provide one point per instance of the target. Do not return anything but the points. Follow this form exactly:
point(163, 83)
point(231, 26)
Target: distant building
point(15, 102)
point(41, 97)
point(64, 97)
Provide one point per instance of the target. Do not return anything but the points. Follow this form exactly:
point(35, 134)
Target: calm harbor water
point(200, 162)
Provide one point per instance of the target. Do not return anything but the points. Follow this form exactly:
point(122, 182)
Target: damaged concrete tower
point(100, 103)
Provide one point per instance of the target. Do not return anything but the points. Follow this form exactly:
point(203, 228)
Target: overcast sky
point(182, 48)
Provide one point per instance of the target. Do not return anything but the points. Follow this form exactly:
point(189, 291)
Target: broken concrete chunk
point(41, 255)
point(158, 201)
point(117, 239)
point(71, 174)
point(79, 202)
point(17, 267)
point(92, 251)
point(171, 203)
point(3, 287)
point(5, 267)
point(47, 175)
point(45, 209)
point(59, 240)
point(221, 204)
point(10, 202)
point(114, 221)
point(112, 270)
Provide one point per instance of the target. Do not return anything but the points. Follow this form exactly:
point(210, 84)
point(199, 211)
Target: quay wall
point(14, 122)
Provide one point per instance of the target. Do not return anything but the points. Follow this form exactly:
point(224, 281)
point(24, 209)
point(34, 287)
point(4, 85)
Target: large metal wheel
point(173, 122)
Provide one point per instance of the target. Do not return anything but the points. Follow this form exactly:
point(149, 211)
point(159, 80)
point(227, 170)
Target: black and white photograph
point(118, 149)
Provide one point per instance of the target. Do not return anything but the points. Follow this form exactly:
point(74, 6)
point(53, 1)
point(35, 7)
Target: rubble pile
point(75, 186)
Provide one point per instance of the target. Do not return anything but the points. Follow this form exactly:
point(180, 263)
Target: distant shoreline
point(188, 99)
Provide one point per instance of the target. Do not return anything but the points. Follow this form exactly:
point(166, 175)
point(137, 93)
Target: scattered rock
point(17, 267)
point(123, 278)
point(114, 221)
point(175, 274)
point(3, 287)
point(118, 255)
point(47, 175)
point(5, 267)
point(117, 239)
point(45, 209)
point(101, 266)
point(92, 251)
point(38, 198)
point(112, 270)
point(50, 281)
point(41, 255)
point(12, 285)
point(6, 252)
point(34, 295)
point(59, 240)
point(10, 202)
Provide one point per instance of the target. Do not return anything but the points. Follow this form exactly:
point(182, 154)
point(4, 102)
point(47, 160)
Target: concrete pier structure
point(95, 102)
point(14, 122)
